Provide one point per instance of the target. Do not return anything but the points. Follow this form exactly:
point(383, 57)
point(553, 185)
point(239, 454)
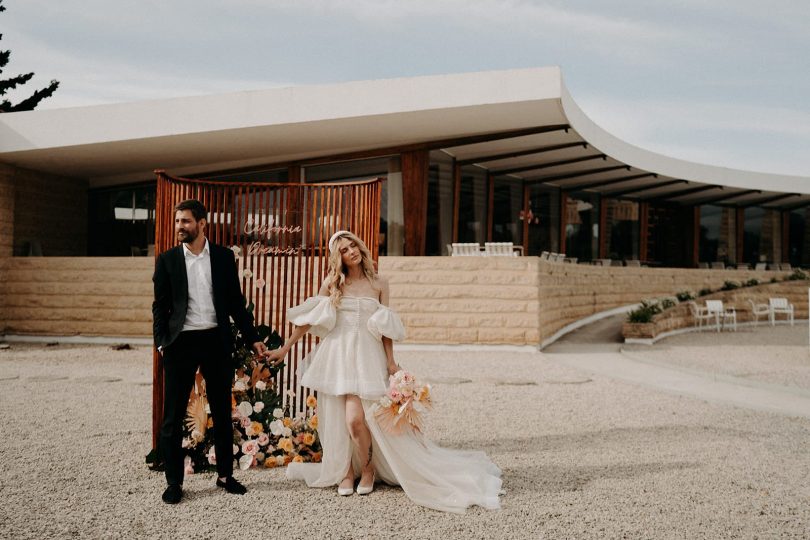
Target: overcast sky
point(724, 82)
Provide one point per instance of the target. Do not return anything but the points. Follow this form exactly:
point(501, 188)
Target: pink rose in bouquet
point(403, 405)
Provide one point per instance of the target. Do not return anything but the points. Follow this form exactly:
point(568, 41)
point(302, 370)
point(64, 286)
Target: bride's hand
point(276, 356)
point(393, 368)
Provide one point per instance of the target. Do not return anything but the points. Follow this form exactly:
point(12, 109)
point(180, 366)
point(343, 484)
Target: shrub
point(797, 275)
point(730, 286)
point(774, 280)
point(644, 314)
point(704, 292)
point(667, 303)
point(752, 282)
point(683, 296)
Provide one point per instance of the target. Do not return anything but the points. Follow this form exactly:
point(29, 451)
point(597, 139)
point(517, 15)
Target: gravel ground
point(777, 355)
point(583, 457)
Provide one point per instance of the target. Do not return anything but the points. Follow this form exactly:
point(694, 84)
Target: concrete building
point(493, 156)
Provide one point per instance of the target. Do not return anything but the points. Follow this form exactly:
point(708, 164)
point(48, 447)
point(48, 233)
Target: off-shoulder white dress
point(350, 359)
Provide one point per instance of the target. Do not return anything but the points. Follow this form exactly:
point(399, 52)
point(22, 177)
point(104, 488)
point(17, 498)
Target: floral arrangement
point(264, 433)
point(403, 404)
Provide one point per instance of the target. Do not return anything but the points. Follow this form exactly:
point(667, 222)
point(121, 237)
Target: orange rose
point(313, 421)
point(308, 439)
point(287, 460)
point(287, 421)
point(298, 459)
point(312, 402)
point(285, 444)
point(270, 462)
point(257, 428)
point(316, 457)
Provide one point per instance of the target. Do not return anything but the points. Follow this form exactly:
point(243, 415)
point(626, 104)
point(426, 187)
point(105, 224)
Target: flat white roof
point(125, 142)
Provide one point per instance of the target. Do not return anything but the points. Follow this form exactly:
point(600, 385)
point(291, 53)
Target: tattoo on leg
point(368, 461)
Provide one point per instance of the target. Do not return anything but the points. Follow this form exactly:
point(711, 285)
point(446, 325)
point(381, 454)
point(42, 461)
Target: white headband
point(333, 240)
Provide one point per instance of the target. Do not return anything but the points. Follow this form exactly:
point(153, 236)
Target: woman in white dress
point(349, 369)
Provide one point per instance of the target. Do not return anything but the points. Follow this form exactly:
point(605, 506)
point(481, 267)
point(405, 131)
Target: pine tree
point(29, 103)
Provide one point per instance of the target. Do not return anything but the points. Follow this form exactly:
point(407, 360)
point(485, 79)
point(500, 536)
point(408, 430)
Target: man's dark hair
point(197, 209)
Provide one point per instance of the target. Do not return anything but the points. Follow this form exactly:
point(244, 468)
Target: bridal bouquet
point(403, 404)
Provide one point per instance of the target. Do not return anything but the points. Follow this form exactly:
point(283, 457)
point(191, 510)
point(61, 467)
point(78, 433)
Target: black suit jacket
point(171, 297)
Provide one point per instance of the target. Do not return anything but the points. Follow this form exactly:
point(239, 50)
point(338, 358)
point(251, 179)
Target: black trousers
point(192, 350)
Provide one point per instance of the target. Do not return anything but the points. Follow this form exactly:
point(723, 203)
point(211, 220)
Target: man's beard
point(188, 238)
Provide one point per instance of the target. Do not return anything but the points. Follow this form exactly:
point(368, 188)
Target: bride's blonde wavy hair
point(336, 275)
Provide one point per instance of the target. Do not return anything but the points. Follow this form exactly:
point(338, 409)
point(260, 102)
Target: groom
point(196, 291)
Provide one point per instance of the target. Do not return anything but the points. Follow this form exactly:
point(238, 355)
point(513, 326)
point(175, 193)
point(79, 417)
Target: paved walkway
point(597, 349)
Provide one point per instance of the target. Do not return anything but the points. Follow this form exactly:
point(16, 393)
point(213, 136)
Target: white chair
point(785, 267)
point(635, 263)
point(718, 265)
point(544, 255)
point(759, 309)
point(761, 266)
point(699, 314)
point(721, 314)
point(780, 305)
point(560, 258)
point(464, 249)
point(499, 249)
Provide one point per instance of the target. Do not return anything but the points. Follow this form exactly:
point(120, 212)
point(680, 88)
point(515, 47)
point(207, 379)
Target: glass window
point(544, 219)
point(439, 229)
point(762, 238)
point(582, 226)
point(718, 240)
point(121, 221)
point(472, 211)
point(621, 230)
point(799, 250)
point(507, 211)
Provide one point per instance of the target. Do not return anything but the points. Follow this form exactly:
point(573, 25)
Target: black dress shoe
point(173, 494)
point(232, 486)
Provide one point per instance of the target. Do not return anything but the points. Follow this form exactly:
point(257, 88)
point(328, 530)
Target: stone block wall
point(442, 300)
point(484, 300)
point(77, 296)
point(570, 292)
point(6, 211)
point(50, 210)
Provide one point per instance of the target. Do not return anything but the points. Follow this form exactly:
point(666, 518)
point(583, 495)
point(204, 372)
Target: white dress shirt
point(201, 314)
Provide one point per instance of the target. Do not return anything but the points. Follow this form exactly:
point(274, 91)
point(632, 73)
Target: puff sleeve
point(385, 322)
point(316, 311)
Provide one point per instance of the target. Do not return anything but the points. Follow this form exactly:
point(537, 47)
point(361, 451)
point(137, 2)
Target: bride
point(350, 369)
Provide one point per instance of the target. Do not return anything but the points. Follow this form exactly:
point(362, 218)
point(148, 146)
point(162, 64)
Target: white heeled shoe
point(365, 490)
point(343, 492)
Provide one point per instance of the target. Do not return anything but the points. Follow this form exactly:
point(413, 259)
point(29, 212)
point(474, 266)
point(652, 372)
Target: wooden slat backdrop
point(290, 277)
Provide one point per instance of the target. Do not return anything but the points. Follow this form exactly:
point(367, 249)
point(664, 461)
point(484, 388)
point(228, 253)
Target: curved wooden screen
point(282, 231)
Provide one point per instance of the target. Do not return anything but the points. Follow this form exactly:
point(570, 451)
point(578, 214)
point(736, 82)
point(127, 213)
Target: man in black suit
point(196, 291)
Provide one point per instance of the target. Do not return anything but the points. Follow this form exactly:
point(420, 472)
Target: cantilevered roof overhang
point(520, 124)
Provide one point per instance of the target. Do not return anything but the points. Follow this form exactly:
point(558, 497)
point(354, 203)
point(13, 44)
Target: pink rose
point(250, 447)
point(188, 467)
point(244, 422)
point(212, 456)
point(264, 439)
point(395, 395)
point(260, 283)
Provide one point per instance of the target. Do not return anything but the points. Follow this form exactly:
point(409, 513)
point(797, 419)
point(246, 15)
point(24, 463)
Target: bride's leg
point(361, 436)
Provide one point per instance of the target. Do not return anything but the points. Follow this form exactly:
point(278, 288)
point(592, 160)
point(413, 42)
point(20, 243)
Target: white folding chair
point(721, 314)
point(544, 255)
point(759, 309)
point(699, 314)
point(780, 305)
point(499, 249)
